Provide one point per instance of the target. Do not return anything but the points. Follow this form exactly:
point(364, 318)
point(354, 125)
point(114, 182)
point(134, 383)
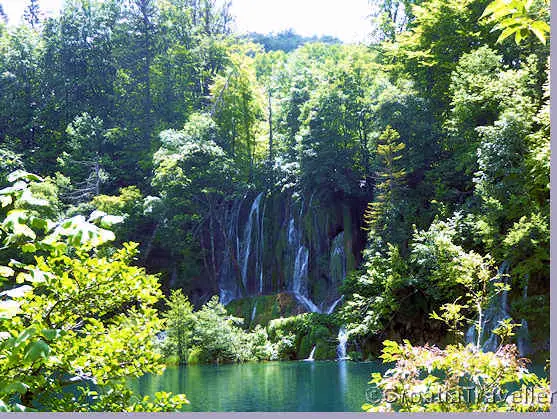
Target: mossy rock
point(268, 307)
point(305, 347)
point(324, 350)
point(320, 332)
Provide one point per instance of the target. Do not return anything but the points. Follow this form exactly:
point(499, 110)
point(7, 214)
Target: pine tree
point(380, 212)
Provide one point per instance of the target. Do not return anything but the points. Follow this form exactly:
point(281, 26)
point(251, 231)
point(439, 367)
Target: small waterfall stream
point(523, 335)
point(342, 339)
point(254, 222)
point(311, 354)
point(300, 272)
point(228, 286)
point(337, 272)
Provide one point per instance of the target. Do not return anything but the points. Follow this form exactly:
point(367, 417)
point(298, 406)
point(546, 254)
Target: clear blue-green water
point(297, 386)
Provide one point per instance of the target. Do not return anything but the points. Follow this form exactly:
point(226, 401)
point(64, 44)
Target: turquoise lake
point(297, 386)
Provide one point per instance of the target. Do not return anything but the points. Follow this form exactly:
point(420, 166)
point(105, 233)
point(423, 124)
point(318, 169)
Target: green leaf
point(22, 174)
point(25, 336)
point(6, 272)
point(28, 198)
point(540, 29)
point(37, 350)
point(28, 248)
point(51, 334)
point(13, 387)
point(17, 292)
point(8, 309)
point(3, 406)
point(506, 33)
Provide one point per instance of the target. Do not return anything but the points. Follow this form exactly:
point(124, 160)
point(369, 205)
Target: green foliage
point(179, 326)
point(71, 315)
point(518, 18)
point(154, 112)
point(381, 214)
point(457, 379)
point(210, 334)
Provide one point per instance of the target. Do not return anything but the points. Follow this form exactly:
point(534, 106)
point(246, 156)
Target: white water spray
point(342, 339)
point(310, 357)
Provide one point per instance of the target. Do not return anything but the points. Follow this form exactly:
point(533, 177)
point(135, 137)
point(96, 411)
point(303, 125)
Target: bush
point(74, 311)
point(457, 379)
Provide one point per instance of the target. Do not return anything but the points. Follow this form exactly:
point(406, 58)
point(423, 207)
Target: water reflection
point(321, 386)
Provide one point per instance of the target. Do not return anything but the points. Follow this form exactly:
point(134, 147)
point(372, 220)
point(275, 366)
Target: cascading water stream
point(523, 335)
point(246, 244)
point(228, 286)
point(342, 339)
point(311, 354)
point(261, 248)
point(298, 284)
point(334, 305)
point(253, 312)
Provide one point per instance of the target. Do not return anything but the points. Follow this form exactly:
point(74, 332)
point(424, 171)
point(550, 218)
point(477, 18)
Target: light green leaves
point(6, 272)
point(516, 17)
point(8, 309)
point(80, 232)
point(36, 350)
point(16, 223)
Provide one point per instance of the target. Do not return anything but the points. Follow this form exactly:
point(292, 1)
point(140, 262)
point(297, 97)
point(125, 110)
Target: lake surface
point(297, 386)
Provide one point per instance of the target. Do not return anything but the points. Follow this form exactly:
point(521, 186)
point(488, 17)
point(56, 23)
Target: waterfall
point(523, 334)
point(496, 312)
point(228, 286)
point(261, 248)
point(253, 221)
point(335, 303)
point(310, 357)
point(253, 313)
point(342, 339)
point(298, 284)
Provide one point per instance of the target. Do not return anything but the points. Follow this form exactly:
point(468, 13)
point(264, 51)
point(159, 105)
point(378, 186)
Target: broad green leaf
point(22, 174)
point(37, 350)
point(25, 336)
point(13, 387)
point(51, 334)
point(3, 406)
point(506, 33)
point(540, 29)
point(28, 198)
point(6, 272)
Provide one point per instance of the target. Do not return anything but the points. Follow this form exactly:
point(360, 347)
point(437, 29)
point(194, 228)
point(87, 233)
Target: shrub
point(456, 379)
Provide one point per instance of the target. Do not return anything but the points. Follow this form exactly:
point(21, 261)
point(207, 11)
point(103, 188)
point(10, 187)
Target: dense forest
point(175, 192)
